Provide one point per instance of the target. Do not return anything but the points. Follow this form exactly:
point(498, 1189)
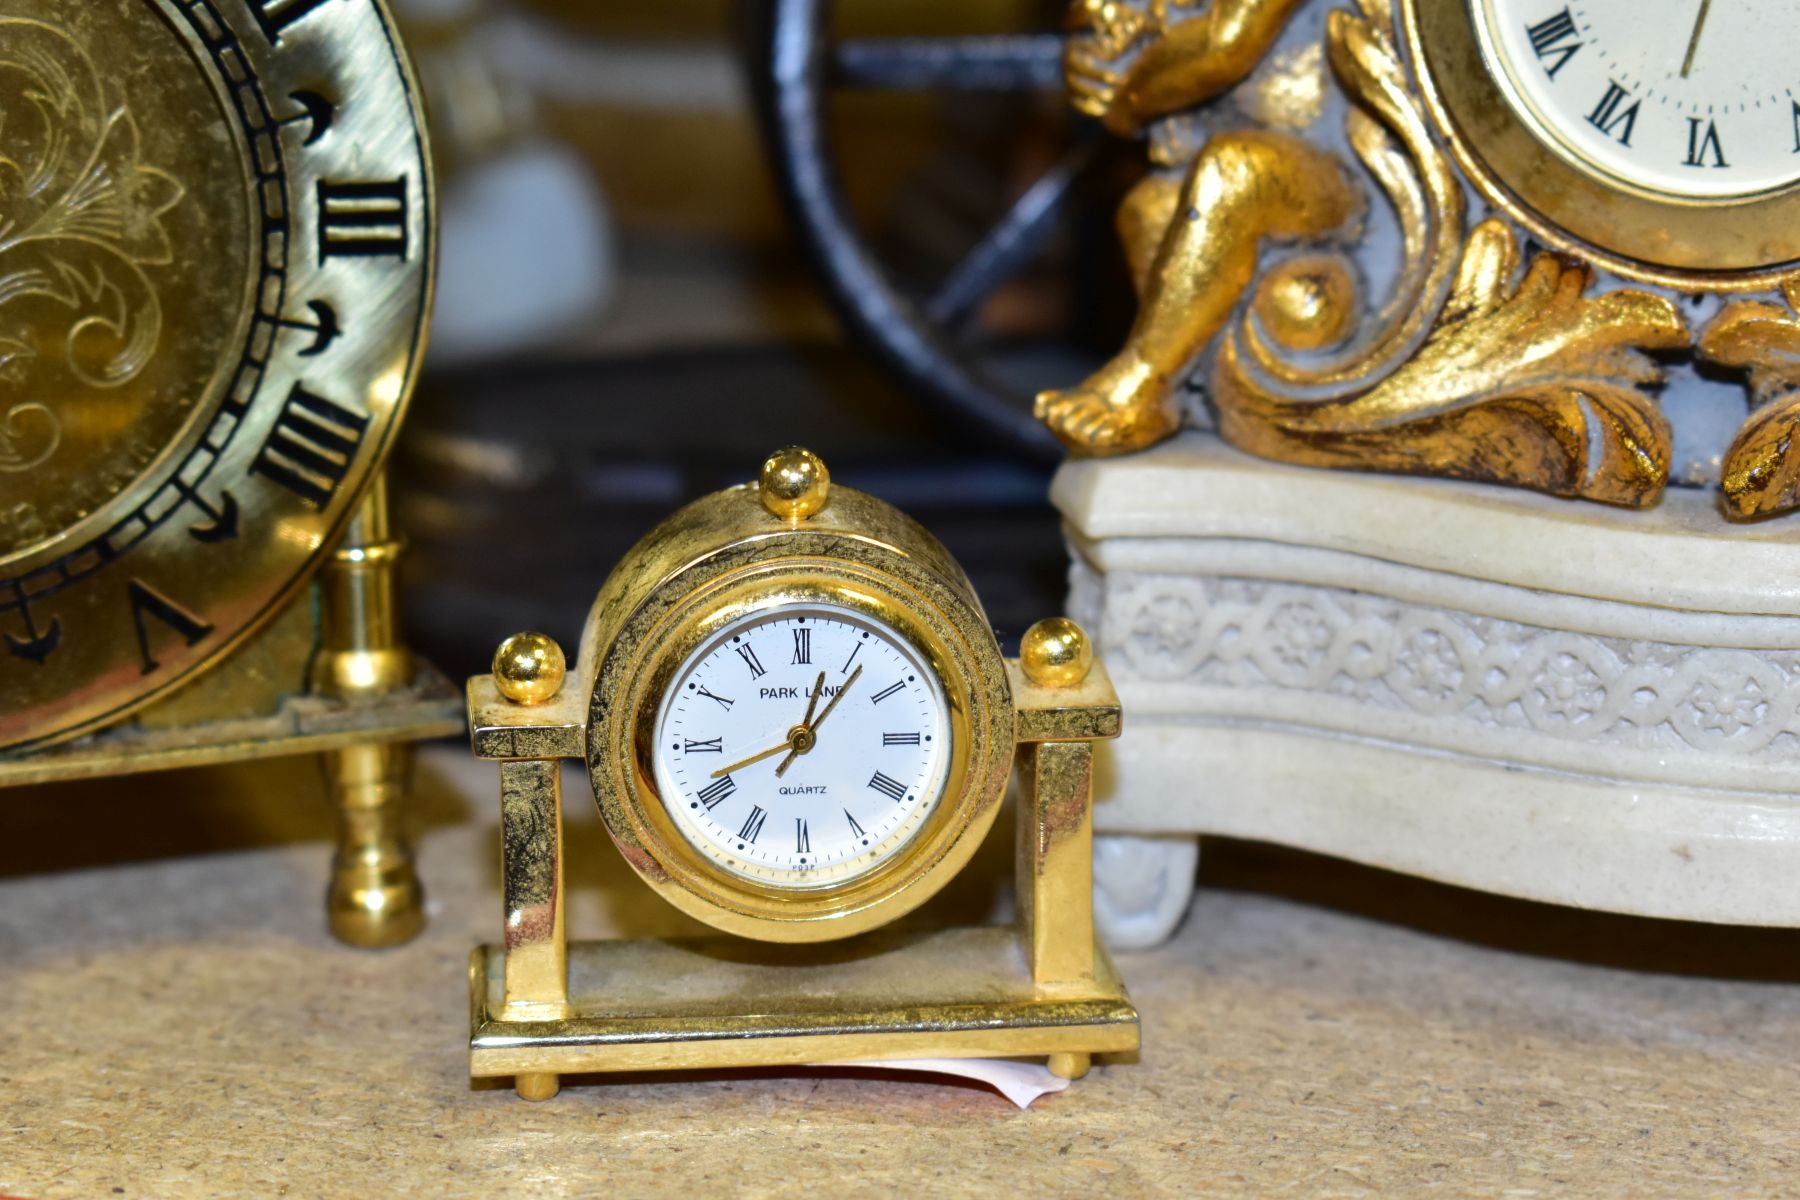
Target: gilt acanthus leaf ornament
point(1761, 475)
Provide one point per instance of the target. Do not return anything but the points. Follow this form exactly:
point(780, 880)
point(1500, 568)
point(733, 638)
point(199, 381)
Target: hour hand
point(771, 752)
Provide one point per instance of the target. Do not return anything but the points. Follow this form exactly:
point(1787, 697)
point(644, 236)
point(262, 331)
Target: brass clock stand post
point(331, 676)
point(541, 1008)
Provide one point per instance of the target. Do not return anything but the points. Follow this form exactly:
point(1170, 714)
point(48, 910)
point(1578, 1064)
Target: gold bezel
point(862, 569)
point(1725, 244)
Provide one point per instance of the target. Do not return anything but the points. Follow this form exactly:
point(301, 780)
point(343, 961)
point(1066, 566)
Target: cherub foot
point(1120, 409)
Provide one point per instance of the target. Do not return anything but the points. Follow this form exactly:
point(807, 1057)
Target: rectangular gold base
point(710, 1003)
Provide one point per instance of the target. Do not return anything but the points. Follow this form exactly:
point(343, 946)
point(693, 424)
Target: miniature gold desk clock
point(216, 244)
point(798, 726)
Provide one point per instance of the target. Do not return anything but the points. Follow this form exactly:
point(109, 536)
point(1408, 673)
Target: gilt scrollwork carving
point(1760, 476)
point(80, 221)
point(1474, 365)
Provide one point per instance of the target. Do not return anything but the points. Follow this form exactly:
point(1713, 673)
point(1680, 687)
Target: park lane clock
point(1662, 140)
point(215, 270)
point(798, 727)
point(800, 737)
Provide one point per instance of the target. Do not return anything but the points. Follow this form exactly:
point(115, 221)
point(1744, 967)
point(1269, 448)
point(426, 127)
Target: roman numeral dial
point(1694, 100)
point(216, 263)
point(803, 746)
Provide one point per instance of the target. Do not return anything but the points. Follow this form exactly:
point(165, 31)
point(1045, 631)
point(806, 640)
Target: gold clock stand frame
point(540, 1008)
point(362, 704)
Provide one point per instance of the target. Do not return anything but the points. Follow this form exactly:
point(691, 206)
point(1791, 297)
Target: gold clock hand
point(806, 736)
point(812, 701)
point(754, 758)
point(854, 675)
point(784, 764)
point(794, 739)
point(1687, 64)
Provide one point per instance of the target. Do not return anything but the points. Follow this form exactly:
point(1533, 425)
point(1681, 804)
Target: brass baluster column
point(375, 898)
point(1065, 706)
point(529, 670)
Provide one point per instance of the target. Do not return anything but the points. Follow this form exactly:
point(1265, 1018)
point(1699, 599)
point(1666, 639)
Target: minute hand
point(854, 675)
point(781, 768)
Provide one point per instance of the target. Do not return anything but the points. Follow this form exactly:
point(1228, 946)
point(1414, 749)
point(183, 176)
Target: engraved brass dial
point(215, 272)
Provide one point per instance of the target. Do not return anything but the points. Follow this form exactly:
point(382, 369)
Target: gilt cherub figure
point(1273, 156)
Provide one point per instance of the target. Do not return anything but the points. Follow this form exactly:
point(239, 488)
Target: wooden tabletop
point(179, 1024)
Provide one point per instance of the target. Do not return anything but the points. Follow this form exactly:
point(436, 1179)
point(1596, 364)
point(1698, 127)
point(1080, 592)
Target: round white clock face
point(875, 759)
point(1687, 98)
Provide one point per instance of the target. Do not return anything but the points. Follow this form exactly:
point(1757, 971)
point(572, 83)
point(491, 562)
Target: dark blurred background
point(629, 320)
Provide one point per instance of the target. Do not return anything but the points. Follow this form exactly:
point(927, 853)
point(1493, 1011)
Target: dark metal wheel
point(929, 331)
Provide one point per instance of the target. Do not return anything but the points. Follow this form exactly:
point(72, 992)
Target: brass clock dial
point(1662, 141)
point(215, 270)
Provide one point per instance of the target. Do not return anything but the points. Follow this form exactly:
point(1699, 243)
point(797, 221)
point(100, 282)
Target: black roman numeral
point(802, 839)
point(899, 739)
point(1797, 127)
point(705, 746)
point(277, 16)
point(310, 450)
point(855, 829)
point(221, 518)
point(1551, 39)
point(751, 661)
point(145, 599)
point(363, 220)
point(1699, 144)
point(802, 648)
point(38, 644)
point(753, 824)
point(721, 701)
point(1607, 117)
point(890, 788)
point(885, 692)
point(716, 791)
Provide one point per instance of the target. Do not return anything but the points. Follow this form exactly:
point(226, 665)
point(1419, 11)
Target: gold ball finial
point(1308, 303)
point(529, 668)
point(795, 484)
point(1056, 653)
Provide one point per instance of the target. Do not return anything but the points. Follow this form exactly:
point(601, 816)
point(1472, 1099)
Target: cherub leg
point(1143, 221)
point(1242, 188)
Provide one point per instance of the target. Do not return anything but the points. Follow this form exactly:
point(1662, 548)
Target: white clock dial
point(1686, 98)
point(875, 771)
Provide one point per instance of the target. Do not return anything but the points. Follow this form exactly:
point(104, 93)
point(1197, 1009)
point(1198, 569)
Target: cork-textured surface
point(178, 1024)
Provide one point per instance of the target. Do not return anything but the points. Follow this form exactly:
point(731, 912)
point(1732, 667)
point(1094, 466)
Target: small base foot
point(375, 899)
point(1070, 1065)
point(537, 1086)
point(374, 914)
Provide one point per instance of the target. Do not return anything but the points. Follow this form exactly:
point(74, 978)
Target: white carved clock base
point(1142, 885)
point(1496, 689)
